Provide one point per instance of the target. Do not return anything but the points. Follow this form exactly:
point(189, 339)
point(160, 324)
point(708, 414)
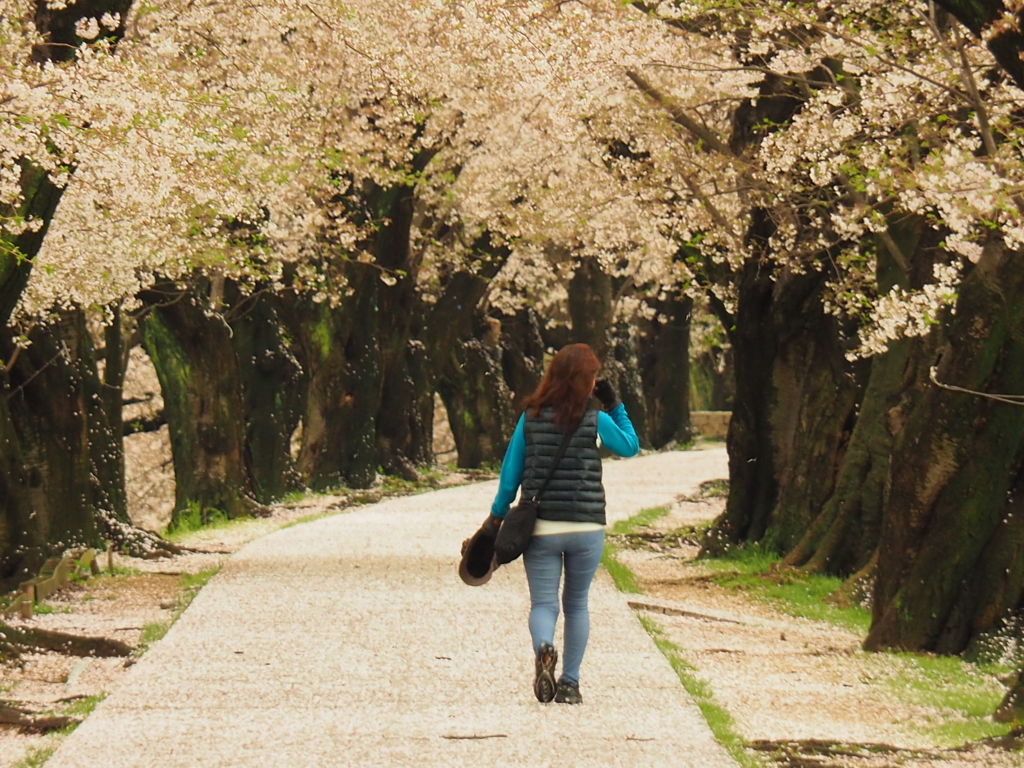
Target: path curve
point(350, 641)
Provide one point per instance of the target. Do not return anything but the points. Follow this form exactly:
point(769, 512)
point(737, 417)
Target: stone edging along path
point(350, 641)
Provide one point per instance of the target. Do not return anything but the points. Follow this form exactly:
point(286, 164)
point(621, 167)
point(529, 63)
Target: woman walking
point(569, 533)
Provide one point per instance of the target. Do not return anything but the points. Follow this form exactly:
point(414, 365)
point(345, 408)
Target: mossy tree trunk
point(273, 391)
point(478, 401)
point(467, 371)
point(843, 537)
point(191, 348)
point(711, 379)
point(793, 410)
point(339, 352)
point(665, 370)
point(951, 556)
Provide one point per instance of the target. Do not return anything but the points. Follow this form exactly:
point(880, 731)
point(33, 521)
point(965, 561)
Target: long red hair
point(567, 385)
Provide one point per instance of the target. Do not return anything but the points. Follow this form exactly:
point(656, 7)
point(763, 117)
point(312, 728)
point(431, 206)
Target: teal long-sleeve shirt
point(616, 433)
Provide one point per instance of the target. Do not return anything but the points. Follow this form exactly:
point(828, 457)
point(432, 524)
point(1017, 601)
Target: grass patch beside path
point(755, 572)
point(962, 694)
point(36, 757)
point(189, 586)
point(965, 693)
point(194, 519)
point(621, 575)
point(640, 519)
point(718, 719)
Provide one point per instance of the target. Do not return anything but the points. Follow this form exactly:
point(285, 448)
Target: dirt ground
point(784, 679)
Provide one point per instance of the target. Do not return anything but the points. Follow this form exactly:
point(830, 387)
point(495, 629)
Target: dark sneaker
point(544, 681)
point(568, 693)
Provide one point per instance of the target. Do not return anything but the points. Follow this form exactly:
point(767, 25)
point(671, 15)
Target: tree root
point(813, 753)
point(1012, 706)
point(28, 722)
point(22, 639)
point(816, 753)
point(138, 542)
point(857, 587)
point(1011, 742)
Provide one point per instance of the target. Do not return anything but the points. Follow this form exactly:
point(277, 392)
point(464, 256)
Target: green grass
point(37, 756)
point(294, 496)
point(754, 571)
point(964, 694)
point(82, 708)
point(621, 575)
point(43, 609)
point(194, 518)
point(642, 518)
point(710, 489)
point(718, 719)
point(189, 585)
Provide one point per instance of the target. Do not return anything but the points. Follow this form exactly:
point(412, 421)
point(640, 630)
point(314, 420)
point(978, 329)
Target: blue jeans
point(581, 553)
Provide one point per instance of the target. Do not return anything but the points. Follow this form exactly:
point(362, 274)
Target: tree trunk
point(951, 558)
point(22, 536)
point(108, 451)
point(340, 355)
point(793, 411)
point(591, 298)
point(478, 401)
point(54, 393)
point(405, 414)
point(273, 391)
point(623, 370)
point(22, 541)
point(592, 310)
point(18, 253)
point(844, 535)
point(665, 370)
point(200, 379)
point(467, 373)
point(522, 355)
point(712, 380)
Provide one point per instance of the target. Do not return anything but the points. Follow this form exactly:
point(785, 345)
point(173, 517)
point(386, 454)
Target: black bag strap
point(558, 457)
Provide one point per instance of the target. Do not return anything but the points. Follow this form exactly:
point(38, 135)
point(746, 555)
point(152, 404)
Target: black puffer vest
point(575, 492)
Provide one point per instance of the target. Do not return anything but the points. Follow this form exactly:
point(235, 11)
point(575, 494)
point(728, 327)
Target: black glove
point(491, 526)
point(605, 392)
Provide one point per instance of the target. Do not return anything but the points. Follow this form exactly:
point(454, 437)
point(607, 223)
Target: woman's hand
point(605, 392)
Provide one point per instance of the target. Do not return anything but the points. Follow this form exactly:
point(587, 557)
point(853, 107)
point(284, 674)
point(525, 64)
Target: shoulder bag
point(517, 528)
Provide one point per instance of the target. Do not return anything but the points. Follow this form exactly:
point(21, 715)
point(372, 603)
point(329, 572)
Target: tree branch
point(679, 117)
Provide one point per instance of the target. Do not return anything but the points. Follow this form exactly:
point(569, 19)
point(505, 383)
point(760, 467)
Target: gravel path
point(350, 641)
